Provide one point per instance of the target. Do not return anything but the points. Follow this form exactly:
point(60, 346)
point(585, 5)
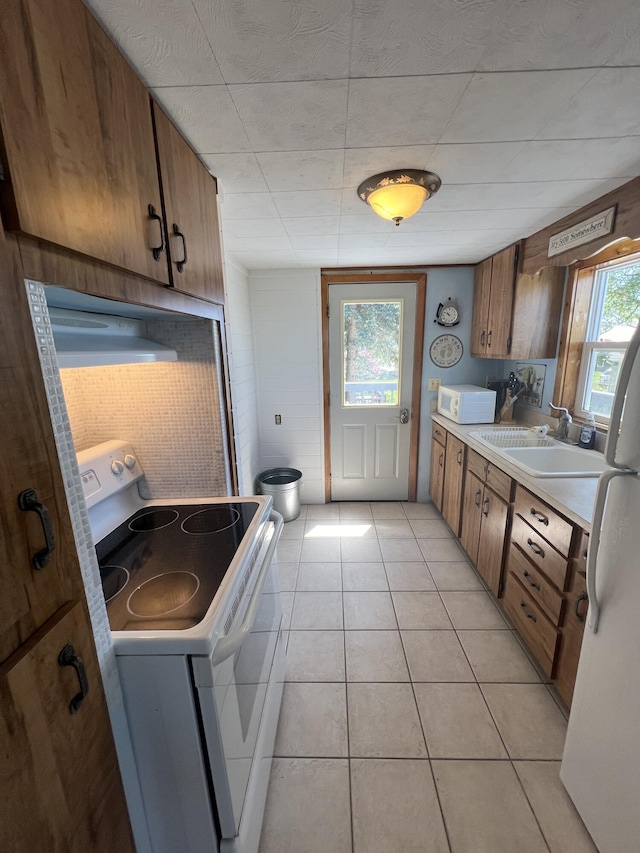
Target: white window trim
point(588, 349)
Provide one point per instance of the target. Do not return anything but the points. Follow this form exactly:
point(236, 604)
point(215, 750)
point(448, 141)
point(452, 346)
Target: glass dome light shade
point(399, 194)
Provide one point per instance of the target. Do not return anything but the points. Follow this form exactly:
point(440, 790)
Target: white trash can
point(283, 484)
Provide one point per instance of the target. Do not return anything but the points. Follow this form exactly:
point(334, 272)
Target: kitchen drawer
point(537, 585)
point(540, 552)
point(438, 433)
point(540, 636)
point(580, 557)
point(501, 483)
point(546, 521)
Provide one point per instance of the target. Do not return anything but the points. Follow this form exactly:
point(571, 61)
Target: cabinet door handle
point(485, 506)
point(528, 613)
point(582, 597)
point(482, 338)
point(531, 583)
point(539, 516)
point(537, 550)
point(489, 333)
point(459, 456)
point(180, 264)
point(68, 657)
point(441, 460)
point(478, 497)
point(28, 501)
point(157, 250)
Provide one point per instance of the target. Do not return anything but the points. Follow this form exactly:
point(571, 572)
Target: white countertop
point(574, 497)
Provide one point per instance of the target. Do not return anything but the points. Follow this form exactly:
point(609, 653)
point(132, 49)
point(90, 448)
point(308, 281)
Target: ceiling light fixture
point(399, 194)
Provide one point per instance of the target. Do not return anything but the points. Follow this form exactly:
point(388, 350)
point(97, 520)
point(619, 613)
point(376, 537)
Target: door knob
point(404, 416)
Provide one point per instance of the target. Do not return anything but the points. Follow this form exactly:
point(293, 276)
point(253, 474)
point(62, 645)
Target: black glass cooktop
point(162, 567)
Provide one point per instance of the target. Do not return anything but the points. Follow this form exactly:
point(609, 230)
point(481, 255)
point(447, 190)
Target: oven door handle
point(230, 644)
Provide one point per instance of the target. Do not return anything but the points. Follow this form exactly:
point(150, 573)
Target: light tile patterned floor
point(412, 720)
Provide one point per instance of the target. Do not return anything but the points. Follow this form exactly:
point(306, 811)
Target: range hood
point(85, 339)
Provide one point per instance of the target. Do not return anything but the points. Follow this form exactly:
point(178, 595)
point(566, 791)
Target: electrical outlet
point(434, 384)
point(278, 420)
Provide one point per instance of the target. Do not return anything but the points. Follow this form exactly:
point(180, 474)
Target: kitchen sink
point(541, 456)
point(557, 461)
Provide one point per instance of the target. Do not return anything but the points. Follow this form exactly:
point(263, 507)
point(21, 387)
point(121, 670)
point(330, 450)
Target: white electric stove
point(193, 600)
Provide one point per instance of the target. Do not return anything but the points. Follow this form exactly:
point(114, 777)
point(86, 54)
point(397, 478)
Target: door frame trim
point(327, 280)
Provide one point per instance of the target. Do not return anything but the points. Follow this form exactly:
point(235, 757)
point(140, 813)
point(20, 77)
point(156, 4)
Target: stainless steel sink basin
point(541, 456)
point(557, 461)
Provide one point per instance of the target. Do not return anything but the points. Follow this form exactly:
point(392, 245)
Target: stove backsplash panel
point(172, 412)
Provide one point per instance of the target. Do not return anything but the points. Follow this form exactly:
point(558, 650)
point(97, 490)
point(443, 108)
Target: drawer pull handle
point(485, 506)
point(539, 516)
point(582, 597)
point(180, 264)
point(531, 583)
point(537, 550)
point(527, 613)
point(28, 502)
point(459, 456)
point(157, 250)
point(478, 497)
point(68, 657)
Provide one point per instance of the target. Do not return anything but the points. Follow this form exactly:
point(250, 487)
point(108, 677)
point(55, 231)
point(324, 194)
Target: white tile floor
point(412, 719)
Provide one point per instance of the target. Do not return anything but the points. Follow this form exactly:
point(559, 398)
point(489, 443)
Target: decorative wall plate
point(446, 350)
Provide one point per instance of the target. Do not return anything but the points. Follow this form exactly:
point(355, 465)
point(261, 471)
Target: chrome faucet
point(563, 422)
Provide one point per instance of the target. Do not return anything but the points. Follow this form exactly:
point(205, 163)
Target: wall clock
point(446, 350)
point(448, 314)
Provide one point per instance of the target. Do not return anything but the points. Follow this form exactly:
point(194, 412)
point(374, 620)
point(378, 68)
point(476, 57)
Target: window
point(613, 315)
point(372, 335)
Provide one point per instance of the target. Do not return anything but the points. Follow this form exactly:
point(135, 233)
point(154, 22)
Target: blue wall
point(442, 283)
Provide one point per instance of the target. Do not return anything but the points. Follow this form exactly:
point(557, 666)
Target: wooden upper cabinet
point(61, 786)
point(515, 315)
point(78, 148)
point(191, 215)
point(492, 304)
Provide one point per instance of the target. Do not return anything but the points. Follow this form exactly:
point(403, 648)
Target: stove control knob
point(130, 461)
point(117, 467)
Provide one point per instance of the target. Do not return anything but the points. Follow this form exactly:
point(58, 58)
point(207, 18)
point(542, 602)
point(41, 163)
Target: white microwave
point(467, 404)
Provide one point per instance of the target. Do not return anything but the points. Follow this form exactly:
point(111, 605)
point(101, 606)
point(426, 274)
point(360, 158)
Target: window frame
point(575, 323)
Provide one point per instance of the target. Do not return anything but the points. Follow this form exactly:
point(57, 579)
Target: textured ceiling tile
point(558, 33)
point(553, 160)
point(311, 225)
point(504, 107)
point(236, 173)
point(512, 196)
point(401, 110)
point(207, 117)
point(361, 163)
point(163, 39)
point(363, 241)
point(608, 105)
point(302, 170)
point(257, 41)
point(248, 206)
point(418, 36)
point(253, 228)
point(318, 242)
point(293, 116)
point(313, 203)
point(257, 244)
point(472, 163)
point(312, 257)
point(400, 238)
point(265, 260)
point(366, 223)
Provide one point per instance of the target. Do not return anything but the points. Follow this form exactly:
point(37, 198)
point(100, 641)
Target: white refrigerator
point(601, 761)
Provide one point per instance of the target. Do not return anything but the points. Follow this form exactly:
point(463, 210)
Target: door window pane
point(372, 332)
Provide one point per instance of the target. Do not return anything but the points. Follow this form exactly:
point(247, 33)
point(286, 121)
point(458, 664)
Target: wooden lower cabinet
point(437, 473)
point(453, 482)
point(60, 778)
point(493, 535)
point(483, 529)
point(575, 615)
point(538, 632)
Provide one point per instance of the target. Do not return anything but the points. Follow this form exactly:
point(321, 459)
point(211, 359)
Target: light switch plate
point(434, 384)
